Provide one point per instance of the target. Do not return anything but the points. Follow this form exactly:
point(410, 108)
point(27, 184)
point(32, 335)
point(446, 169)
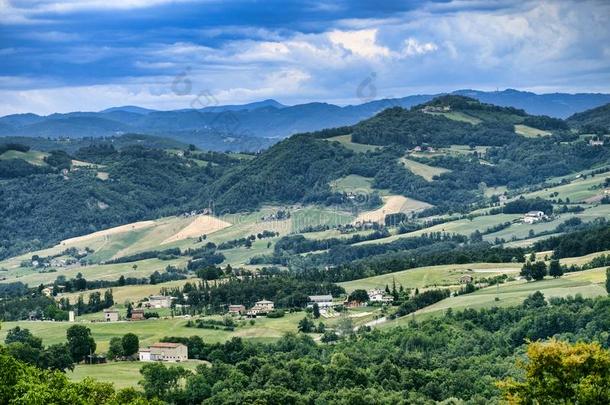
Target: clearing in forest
point(392, 205)
point(426, 171)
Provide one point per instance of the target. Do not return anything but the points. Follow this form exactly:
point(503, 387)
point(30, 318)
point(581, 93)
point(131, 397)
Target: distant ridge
point(256, 125)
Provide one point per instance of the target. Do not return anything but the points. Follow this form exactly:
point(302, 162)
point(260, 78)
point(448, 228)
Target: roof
point(166, 345)
point(264, 302)
point(159, 297)
point(144, 350)
point(534, 213)
point(320, 298)
point(110, 310)
point(235, 306)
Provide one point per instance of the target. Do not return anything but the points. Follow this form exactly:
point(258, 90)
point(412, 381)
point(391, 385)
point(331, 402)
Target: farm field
point(530, 132)
point(433, 276)
point(426, 171)
point(151, 331)
point(586, 283)
point(128, 239)
point(521, 230)
point(577, 190)
point(461, 226)
point(448, 275)
point(346, 141)
point(392, 204)
point(133, 293)
point(458, 116)
point(94, 272)
point(122, 374)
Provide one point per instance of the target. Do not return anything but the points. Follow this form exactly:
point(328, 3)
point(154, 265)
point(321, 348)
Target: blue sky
point(77, 55)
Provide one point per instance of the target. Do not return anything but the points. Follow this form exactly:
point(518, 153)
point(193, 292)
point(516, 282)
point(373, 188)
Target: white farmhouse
point(159, 301)
point(164, 352)
point(533, 217)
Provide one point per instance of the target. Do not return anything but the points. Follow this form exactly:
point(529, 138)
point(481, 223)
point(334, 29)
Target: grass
point(578, 190)
point(352, 183)
point(530, 132)
point(461, 226)
point(587, 283)
point(151, 331)
point(122, 374)
point(130, 292)
point(346, 141)
point(95, 272)
point(32, 156)
point(433, 276)
point(423, 170)
point(459, 116)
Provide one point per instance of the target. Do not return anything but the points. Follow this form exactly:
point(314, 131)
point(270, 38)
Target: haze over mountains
point(257, 125)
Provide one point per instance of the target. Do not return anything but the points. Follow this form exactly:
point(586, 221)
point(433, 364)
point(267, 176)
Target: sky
point(88, 55)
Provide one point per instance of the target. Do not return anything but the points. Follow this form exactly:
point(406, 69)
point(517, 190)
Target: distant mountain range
point(257, 125)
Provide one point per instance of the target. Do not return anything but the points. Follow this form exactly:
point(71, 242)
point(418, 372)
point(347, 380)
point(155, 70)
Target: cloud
point(414, 47)
point(362, 43)
point(321, 51)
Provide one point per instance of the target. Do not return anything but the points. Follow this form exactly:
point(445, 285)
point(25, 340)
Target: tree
point(526, 271)
point(108, 299)
point(608, 280)
point(159, 380)
point(115, 348)
point(558, 372)
point(24, 336)
point(129, 308)
point(81, 308)
point(359, 296)
point(57, 357)
point(538, 270)
point(555, 269)
point(130, 343)
point(306, 325)
point(536, 300)
point(80, 342)
point(316, 310)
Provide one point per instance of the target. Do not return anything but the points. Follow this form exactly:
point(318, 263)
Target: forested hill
point(46, 197)
point(595, 121)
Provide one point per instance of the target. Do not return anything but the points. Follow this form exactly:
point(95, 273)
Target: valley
point(404, 219)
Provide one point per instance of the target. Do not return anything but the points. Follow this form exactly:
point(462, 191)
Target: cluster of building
point(262, 307)
point(436, 109)
point(423, 148)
